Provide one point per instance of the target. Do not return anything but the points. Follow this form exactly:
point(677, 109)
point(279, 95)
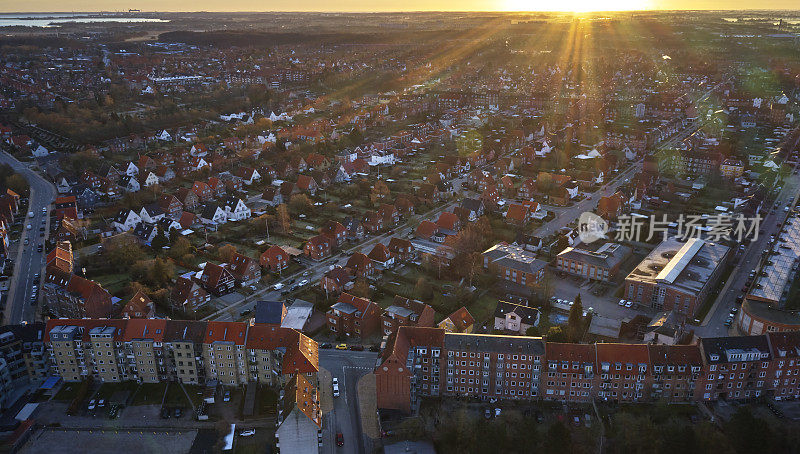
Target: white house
point(131, 170)
point(236, 209)
point(126, 220)
point(164, 135)
point(150, 180)
point(129, 183)
point(213, 214)
point(151, 213)
point(40, 152)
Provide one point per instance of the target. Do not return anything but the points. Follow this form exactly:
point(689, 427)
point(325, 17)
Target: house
point(66, 231)
point(272, 196)
point(217, 279)
point(248, 175)
point(139, 306)
point(71, 296)
point(390, 215)
point(354, 316)
point(235, 209)
point(355, 231)
point(188, 197)
point(449, 222)
point(67, 207)
point(513, 264)
point(245, 270)
point(202, 190)
point(381, 256)
point(596, 261)
point(129, 183)
point(428, 230)
point(401, 248)
point(515, 318)
point(151, 213)
point(171, 206)
point(460, 321)
point(146, 232)
point(307, 184)
point(213, 214)
point(373, 222)
point(187, 295)
point(610, 207)
point(473, 207)
point(318, 247)
point(335, 231)
point(274, 259)
point(337, 280)
point(149, 179)
point(518, 214)
point(406, 312)
point(360, 265)
point(126, 220)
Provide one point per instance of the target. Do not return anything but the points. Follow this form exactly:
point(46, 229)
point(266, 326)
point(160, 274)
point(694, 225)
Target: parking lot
point(110, 440)
point(601, 297)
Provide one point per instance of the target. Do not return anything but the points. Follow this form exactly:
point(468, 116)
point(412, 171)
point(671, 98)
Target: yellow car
point(341, 347)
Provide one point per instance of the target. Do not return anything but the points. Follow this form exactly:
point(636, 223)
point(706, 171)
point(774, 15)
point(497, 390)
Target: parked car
point(227, 396)
point(339, 439)
point(335, 387)
point(92, 405)
point(164, 413)
point(357, 347)
point(247, 433)
point(622, 302)
point(178, 412)
point(628, 303)
point(325, 345)
point(341, 346)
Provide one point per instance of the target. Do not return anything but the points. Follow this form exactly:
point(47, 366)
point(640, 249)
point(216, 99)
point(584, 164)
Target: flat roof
point(776, 276)
point(684, 266)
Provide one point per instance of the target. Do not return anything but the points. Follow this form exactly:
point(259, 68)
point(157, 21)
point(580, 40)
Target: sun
point(577, 6)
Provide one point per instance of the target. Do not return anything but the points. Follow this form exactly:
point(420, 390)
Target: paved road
point(348, 367)
point(714, 322)
point(29, 261)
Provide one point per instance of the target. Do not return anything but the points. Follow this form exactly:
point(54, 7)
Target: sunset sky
point(385, 5)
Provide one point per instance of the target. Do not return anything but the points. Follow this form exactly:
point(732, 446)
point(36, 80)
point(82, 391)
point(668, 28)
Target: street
point(345, 418)
point(713, 324)
point(29, 261)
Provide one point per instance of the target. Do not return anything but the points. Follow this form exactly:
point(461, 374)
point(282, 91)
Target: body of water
point(54, 19)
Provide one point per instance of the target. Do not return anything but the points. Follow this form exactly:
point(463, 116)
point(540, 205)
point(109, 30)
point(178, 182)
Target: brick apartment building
point(354, 316)
point(677, 275)
point(419, 362)
point(514, 264)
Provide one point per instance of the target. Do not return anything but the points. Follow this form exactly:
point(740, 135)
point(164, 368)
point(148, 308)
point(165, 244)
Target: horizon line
point(320, 11)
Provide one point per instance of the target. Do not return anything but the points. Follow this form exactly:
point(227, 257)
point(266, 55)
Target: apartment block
point(192, 352)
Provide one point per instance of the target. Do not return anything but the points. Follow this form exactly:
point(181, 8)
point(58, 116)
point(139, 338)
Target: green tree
point(575, 324)
point(557, 334)
point(557, 440)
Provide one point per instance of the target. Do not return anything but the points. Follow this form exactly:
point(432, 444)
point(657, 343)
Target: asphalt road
point(28, 261)
point(714, 323)
point(348, 366)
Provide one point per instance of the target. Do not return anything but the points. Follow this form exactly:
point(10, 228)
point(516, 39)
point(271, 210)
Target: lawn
point(113, 283)
point(266, 401)
point(259, 443)
point(107, 390)
point(149, 394)
point(175, 396)
point(67, 392)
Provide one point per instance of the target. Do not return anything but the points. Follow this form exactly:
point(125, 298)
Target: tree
point(161, 273)
point(180, 248)
point(575, 320)
point(17, 184)
point(422, 289)
point(300, 203)
point(226, 252)
point(283, 218)
point(748, 433)
point(557, 334)
point(160, 240)
point(361, 288)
